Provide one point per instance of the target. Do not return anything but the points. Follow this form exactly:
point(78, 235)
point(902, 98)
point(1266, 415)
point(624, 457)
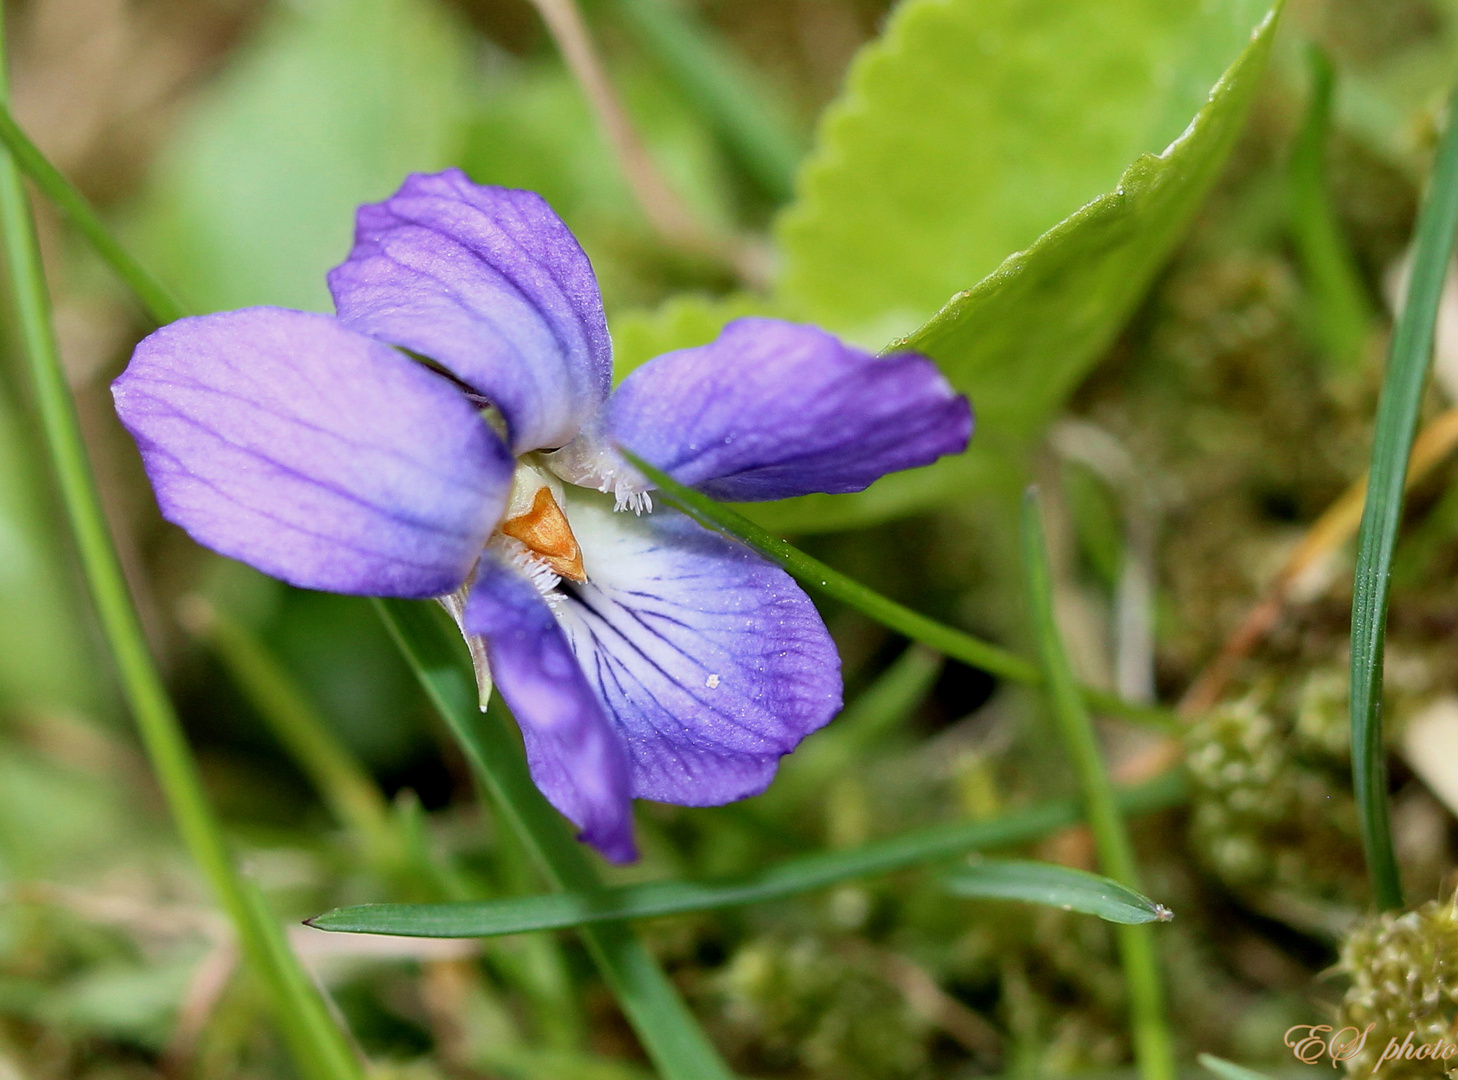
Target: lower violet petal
point(313, 453)
point(771, 410)
point(576, 758)
point(712, 663)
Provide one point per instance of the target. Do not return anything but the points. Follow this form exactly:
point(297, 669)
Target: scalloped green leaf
point(972, 127)
point(976, 128)
point(1020, 340)
point(900, 207)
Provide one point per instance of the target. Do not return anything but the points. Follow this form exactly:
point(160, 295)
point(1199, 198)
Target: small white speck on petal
point(712, 682)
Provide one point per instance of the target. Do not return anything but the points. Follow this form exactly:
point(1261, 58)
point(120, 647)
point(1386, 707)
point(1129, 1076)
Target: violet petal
point(489, 283)
point(313, 453)
point(712, 663)
point(576, 758)
point(771, 410)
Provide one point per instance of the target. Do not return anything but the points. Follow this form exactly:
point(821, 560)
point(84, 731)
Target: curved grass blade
point(320, 1049)
point(1152, 1046)
point(1408, 360)
point(1055, 886)
point(435, 652)
point(1229, 1070)
point(789, 878)
point(814, 574)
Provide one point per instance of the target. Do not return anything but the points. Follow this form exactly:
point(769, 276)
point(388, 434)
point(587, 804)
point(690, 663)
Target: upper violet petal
point(712, 663)
point(316, 454)
point(770, 410)
point(489, 283)
point(575, 757)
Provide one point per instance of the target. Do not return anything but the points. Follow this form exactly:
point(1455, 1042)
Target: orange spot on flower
point(545, 531)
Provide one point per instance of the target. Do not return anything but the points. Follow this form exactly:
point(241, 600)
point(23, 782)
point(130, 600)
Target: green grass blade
point(1055, 886)
point(157, 300)
point(1339, 304)
point(1229, 1070)
point(743, 116)
point(320, 1049)
point(1152, 1046)
point(789, 878)
point(1408, 360)
point(663, 1022)
point(815, 575)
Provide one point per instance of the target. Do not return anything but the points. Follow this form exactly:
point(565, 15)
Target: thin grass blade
point(817, 576)
point(156, 299)
point(1408, 360)
point(789, 878)
point(1055, 886)
point(1153, 1048)
point(1339, 303)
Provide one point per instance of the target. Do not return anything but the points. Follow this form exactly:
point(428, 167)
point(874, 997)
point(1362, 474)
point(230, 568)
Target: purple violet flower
point(642, 655)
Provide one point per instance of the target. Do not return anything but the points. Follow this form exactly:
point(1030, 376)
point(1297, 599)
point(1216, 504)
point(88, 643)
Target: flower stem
point(1409, 358)
point(321, 1050)
point(815, 575)
point(1152, 1045)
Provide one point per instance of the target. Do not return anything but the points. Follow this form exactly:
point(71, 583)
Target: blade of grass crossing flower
point(653, 1006)
point(816, 575)
point(155, 298)
point(1229, 1070)
point(1055, 886)
point(318, 1046)
point(1408, 360)
point(1152, 1047)
point(789, 878)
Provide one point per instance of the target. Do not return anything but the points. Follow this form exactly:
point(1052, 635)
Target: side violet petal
point(770, 410)
point(712, 663)
point(489, 283)
point(575, 757)
point(313, 453)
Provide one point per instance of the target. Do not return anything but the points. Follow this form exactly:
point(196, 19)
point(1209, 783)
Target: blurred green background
point(1169, 372)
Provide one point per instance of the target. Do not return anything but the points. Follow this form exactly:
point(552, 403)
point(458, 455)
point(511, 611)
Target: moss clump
point(1267, 816)
point(1404, 972)
point(828, 1010)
